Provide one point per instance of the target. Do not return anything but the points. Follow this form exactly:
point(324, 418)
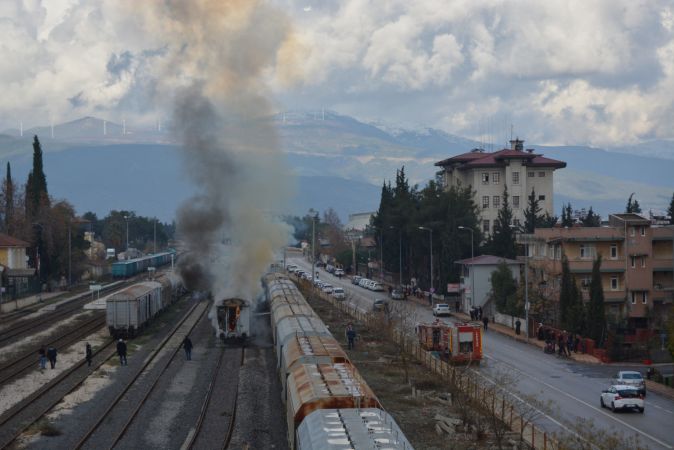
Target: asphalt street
point(560, 394)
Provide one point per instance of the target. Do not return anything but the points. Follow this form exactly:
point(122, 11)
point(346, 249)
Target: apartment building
point(521, 170)
point(637, 264)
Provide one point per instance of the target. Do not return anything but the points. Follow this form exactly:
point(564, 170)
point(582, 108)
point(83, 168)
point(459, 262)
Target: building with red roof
point(488, 172)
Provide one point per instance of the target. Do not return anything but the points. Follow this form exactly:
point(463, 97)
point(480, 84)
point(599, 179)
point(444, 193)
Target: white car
point(363, 282)
point(327, 288)
point(377, 287)
point(291, 268)
point(631, 378)
point(622, 397)
point(339, 272)
point(338, 293)
point(441, 309)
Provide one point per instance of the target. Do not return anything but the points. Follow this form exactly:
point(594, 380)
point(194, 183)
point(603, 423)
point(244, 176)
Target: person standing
point(51, 355)
point(121, 351)
point(89, 354)
point(485, 321)
point(518, 325)
point(187, 345)
point(43, 357)
point(350, 336)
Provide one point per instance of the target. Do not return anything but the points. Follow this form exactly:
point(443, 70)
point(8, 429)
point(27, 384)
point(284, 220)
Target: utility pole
point(70, 247)
point(155, 235)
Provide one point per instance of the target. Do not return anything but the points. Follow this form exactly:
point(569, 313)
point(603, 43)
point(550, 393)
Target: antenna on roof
point(511, 131)
point(21, 128)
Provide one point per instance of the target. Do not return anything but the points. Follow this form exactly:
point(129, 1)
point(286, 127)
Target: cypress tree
point(503, 240)
point(532, 218)
point(565, 294)
point(567, 213)
point(596, 317)
point(8, 191)
point(36, 186)
point(591, 219)
point(670, 211)
point(632, 205)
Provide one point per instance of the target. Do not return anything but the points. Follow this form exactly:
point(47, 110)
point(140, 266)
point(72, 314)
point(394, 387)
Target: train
point(328, 403)
point(233, 316)
point(131, 309)
point(131, 267)
point(457, 343)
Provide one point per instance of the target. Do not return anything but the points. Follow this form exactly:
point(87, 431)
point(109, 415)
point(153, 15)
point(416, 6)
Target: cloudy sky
point(562, 72)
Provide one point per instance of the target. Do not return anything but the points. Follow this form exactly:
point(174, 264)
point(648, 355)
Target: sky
point(561, 72)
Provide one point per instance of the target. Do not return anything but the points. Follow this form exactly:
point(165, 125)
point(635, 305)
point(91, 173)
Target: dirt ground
point(413, 401)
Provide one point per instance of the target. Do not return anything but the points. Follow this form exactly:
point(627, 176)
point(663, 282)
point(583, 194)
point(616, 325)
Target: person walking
point(89, 354)
point(350, 336)
point(43, 357)
point(187, 345)
point(479, 313)
point(51, 356)
point(121, 351)
point(485, 321)
point(518, 325)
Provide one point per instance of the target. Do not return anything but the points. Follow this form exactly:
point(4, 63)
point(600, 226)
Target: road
point(564, 392)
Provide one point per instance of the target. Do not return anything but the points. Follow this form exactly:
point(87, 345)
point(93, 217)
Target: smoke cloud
point(223, 54)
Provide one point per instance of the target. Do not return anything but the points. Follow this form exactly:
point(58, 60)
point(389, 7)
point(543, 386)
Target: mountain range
point(339, 162)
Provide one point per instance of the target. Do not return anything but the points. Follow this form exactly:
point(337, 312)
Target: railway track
point(23, 326)
point(209, 423)
point(28, 360)
point(146, 374)
point(19, 417)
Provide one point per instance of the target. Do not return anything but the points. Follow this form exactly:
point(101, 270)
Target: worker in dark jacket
point(350, 336)
point(121, 351)
point(51, 356)
point(187, 345)
point(89, 354)
point(43, 357)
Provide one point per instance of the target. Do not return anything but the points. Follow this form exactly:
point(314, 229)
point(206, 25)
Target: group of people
point(476, 314)
point(49, 354)
point(561, 342)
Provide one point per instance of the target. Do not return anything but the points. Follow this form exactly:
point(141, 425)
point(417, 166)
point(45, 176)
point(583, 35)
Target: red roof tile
point(480, 159)
point(9, 241)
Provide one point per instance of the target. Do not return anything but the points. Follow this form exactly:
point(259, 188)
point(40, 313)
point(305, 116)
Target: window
point(485, 178)
point(586, 251)
point(516, 201)
point(633, 260)
point(541, 174)
point(497, 201)
point(531, 174)
point(634, 298)
point(643, 262)
point(614, 251)
point(632, 231)
point(495, 177)
point(585, 282)
point(644, 297)
point(614, 283)
point(516, 178)
point(541, 197)
point(642, 230)
point(485, 226)
point(485, 201)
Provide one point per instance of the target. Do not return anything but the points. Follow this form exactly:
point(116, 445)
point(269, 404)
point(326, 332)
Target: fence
point(489, 398)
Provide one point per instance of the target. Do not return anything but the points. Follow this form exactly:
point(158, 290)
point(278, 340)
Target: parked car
point(338, 293)
point(356, 279)
point(330, 268)
point(363, 282)
point(339, 272)
point(327, 288)
point(377, 287)
point(291, 268)
point(631, 378)
point(441, 309)
point(397, 294)
point(380, 305)
point(622, 397)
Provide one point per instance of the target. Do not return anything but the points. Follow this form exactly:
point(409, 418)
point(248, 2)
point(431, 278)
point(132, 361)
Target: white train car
point(129, 310)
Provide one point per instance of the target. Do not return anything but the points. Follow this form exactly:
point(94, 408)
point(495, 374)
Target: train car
point(456, 343)
point(345, 429)
point(131, 267)
point(172, 286)
point(306, 350)
point(290, 327)
point(324, 386)
point(129, 310)
point(233, 320)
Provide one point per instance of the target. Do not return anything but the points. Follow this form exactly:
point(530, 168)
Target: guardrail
point(485, 397)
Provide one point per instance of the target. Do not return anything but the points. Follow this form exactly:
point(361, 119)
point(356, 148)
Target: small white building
point(480, 269)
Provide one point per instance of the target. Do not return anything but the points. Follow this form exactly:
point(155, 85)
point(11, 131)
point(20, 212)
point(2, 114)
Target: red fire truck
point(454, 342)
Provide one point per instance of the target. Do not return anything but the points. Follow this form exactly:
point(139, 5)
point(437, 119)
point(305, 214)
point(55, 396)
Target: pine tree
point(503, 239)
point(503, 288)
point(596, 317)
point(37, 196)
point(566, 293)
point(633, 205)
point(670, 211)
point(591, 219)
point(532, 218)
point(548, 221)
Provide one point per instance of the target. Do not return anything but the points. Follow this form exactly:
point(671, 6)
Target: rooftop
point(9, 241)
point(485, 260)
point(478, 158)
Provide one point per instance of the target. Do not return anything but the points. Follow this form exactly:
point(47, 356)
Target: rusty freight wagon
point(324, 386)
point(454, 342)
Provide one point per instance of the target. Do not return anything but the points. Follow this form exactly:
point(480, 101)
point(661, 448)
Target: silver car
point(631, 378)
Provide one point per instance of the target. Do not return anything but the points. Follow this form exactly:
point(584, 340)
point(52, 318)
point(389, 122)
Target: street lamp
point(431, 234)
point(400, 256)
point(472, 268)
point(314, 216)
point(381, 255)
point(127, 236)
point(155, 235)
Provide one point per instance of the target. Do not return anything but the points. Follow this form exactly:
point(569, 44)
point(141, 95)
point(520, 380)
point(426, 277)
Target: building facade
point(476, 273)
point(637, 267)
point(487, 173)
